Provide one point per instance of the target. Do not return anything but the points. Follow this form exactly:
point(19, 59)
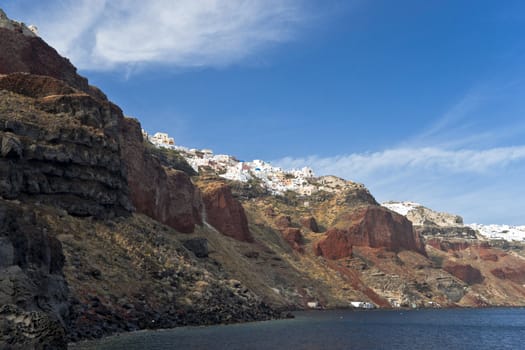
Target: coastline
point(296, 315)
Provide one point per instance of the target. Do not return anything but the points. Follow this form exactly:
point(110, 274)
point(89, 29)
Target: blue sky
point(418, 100)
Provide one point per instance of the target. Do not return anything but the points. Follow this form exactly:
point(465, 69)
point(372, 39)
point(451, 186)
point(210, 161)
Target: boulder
point(198, 246)
point(11, 146)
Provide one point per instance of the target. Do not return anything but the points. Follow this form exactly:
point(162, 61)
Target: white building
point(162, 139)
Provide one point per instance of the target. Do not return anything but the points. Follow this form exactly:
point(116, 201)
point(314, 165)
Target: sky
point(419, 100)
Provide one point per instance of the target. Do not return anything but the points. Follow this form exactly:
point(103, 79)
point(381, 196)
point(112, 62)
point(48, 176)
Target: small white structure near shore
point(313, 304)
point(362, 305)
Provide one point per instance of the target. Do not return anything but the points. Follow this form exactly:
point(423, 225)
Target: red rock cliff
point(371, 226)
point(224, 212)
point(166, 195)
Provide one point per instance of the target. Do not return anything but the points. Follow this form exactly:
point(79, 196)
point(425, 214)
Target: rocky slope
point(102, 233)
point(77, 257)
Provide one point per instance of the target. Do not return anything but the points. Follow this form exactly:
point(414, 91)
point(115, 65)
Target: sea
point(494, 328)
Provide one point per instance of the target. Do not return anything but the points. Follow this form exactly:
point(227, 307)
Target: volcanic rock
point(372, 226)
point(224, 212)
point(336, 245)
point(294, 237)
point(450, 244)
point(166, 195)
point(310, 224)
point(22, 51)
point(283, 221)
point(29, 330)
point(515, 274)
point(199, 246)
point(466, 273)
point(31, 278)
point(62, 150)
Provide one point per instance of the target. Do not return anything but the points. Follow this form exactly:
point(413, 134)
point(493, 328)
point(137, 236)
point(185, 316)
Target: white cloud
point(104, 34)
point(362, 165)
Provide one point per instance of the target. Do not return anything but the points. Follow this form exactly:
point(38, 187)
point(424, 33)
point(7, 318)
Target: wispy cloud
point(104, 34)
point(363, 165)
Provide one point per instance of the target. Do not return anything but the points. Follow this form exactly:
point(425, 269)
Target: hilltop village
point(274, 179)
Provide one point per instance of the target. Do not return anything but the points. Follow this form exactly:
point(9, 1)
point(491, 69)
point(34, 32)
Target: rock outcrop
point(371, 226)
point(310, 223)
point(166, 195)
point(283, 221)
point(224, 212)
point(466, 273)
point(198, 246)
point(294, 238)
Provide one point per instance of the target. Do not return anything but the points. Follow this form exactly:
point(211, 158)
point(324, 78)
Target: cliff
point(78, 258)
point(101, 233)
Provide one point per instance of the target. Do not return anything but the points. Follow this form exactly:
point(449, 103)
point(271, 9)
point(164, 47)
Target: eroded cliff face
point(60, 149)
point(224, 212)
point(370, 226)
point(163, 194)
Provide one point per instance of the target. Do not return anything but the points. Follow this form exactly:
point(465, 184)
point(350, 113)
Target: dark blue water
point(422, 329)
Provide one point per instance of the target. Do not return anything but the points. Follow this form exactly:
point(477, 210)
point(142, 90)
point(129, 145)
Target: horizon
point(419, 102)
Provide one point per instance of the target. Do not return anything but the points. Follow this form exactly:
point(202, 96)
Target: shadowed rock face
point(371, 226)
point(224, 212)
point(466, 273)
point(32, 287)
point(310, 224)
point(166, 195)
